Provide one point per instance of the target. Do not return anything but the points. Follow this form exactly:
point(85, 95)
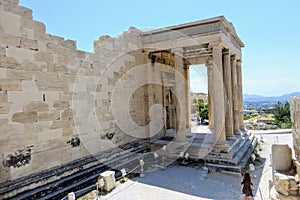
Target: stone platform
point(200, 146)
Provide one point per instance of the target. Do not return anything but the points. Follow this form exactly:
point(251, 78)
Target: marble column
point(180, 99)
point(240, 94)
point(228, 97)
point(235, 99)
point(187, 96)
point(210, 95)
point(218, 100)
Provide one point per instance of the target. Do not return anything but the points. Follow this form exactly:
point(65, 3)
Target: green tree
point(282, 114)
point(202, 108)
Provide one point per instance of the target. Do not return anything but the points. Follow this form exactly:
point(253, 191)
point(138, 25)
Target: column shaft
point(180, 99)
point(240, 95)
point(218, 100)
point(210, 94)
point(187, 96)
point(228, 97)
point(235, 100)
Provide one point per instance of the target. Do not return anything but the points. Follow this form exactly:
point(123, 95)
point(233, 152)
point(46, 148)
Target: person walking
point(247, 186)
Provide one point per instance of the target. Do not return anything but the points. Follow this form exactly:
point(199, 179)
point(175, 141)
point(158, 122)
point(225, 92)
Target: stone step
point(194, 151)
point(243, 161)
point(237, 158)
point(234, 150)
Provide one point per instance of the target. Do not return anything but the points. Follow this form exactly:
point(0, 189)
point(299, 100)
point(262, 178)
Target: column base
point(222, 144)
point(230, 137)
point(180, 140)
point(237, 132)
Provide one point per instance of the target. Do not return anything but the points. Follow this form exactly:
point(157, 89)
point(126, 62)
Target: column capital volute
point(232, 56)
point(226, 51)
point(209, 62)
point(239, 61)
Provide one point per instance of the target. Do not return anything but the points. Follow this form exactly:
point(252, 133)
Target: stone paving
point(178, 182)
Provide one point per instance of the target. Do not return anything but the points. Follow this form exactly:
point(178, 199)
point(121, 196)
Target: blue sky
point(270, 30)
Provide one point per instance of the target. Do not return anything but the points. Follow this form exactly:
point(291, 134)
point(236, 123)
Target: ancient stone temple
point(64, 112)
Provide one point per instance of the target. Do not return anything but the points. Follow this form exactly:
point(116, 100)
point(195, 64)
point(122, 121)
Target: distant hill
point(274, 99)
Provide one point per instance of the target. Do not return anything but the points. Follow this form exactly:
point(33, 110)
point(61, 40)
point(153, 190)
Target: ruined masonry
point(63, 110)
point(287, 170)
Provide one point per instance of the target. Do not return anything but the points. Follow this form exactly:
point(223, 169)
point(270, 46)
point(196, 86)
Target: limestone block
point(285, 184)
point(42, 85)
point(57, 86)
point(3, 74)
point(43, 125)
point(69, 44)
point(281, 157)
point(29, 44)
point(30, 129)
point(61, 105)
point(51, 96)
point(57, 40)
point(38, 27)
point(37, 106)
point(7, 130)
point(19, 74)
point(67, 131)
point(44, 56)
point(21, 55)
point(29, 86)
point(80, 85)
point(25, 117)
point(4, 108)
point(50, 134)
point(59, 50)
point(2, 51)
point(7, 62)
point(33, 66)
point(61, 69)
point(26, 33)
point(3, 122)
point(10, 85)
point(4, 148)
point(19, 10)
point(51, 67)
point(9, 41)
point(10, 23)
point(11, 1)
point(20, 140)
point(60, 124)
point(109, 180)
point(274, 195)
point(48, 116)
point(18, 99)
point(67, 114)
point(65, 96)
point(46, 76)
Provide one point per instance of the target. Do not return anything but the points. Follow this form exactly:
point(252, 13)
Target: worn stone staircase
point(236, 158)
point(231, 158)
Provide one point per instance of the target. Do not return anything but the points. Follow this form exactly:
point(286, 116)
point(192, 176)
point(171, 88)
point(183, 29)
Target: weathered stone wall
point(286, 182)
point(55, 100)
point(295, 117)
